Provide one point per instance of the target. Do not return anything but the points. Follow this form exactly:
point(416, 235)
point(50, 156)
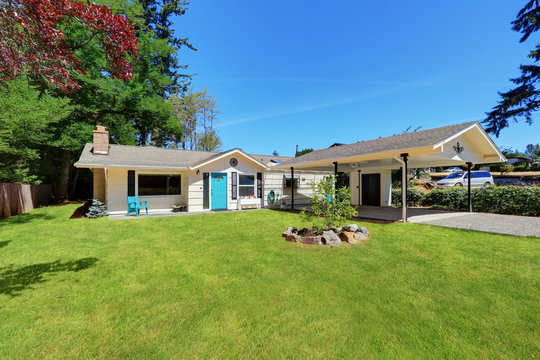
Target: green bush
point(414, 195)
point(520, 166)
point(454, 198)
point(512, 200)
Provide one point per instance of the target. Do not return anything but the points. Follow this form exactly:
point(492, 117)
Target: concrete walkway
point(494, 223)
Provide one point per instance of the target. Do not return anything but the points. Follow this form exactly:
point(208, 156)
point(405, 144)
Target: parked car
point(459, 178)
point(452, 169)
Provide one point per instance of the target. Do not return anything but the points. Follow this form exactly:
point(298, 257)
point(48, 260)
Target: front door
point(371, 189)
point(219, 191)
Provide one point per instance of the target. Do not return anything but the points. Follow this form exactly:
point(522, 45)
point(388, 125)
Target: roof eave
point(428, 149)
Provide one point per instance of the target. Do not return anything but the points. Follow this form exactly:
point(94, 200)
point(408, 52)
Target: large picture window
point(159, 184)
point(246, 185)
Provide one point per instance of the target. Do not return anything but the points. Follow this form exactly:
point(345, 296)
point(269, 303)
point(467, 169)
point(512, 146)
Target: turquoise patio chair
point(134, 205)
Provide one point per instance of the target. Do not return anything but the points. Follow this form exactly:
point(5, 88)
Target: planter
point(249, 203)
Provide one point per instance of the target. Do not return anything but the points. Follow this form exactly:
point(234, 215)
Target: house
point(224, 180)
point(370, 163)
point(513, 160)
point(200, 180)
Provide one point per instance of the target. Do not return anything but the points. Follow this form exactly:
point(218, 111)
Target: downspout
point(106, 185)
point(403, 188)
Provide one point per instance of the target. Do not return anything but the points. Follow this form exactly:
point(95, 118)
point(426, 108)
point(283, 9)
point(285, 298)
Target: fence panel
point(19, 198)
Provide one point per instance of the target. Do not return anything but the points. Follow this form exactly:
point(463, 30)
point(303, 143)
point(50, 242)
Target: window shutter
point(206, 190)
point(234, 180)
point(259, 185)
point(131, 182)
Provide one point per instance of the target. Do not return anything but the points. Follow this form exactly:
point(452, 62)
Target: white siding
point(117, 191)
point(245, 166)
point(273, 180)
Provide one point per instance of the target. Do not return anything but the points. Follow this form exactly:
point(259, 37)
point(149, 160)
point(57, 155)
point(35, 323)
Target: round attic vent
point(233, 162)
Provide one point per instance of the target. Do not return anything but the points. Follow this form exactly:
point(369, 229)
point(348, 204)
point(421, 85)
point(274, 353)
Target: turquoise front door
point(219, 191)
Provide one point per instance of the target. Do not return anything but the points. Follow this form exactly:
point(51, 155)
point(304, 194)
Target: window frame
point(254, 186)
point(137, 173)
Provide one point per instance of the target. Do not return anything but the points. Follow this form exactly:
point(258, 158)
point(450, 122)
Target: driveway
point(494, 223)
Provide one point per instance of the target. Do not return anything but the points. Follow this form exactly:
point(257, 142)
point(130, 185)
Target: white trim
point(254, 184)
point(225, 154)
point(455, 135)
point(130, 167)
point(484, 134)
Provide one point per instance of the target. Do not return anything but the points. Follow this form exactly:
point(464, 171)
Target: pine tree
point(97, 210)
point(524, 99)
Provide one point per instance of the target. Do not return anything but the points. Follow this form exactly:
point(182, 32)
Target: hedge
point(512, 200)
point(454, 198)
point(414, 195)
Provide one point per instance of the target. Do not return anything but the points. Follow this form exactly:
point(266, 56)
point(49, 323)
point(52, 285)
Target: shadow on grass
point(13, 281)
point(25, 218)
point(4, 243)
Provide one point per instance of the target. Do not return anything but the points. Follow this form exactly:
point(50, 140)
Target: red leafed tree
point(31, 40)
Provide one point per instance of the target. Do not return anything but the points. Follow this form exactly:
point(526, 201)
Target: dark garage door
point(371, 189)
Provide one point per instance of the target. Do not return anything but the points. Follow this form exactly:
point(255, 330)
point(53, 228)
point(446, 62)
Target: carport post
point(335, 186)
point(469, 164)
point(404, 188)
point(292, 188)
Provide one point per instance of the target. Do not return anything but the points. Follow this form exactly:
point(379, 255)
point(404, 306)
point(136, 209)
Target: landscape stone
point(360, 237)
point(330, 238)
point(348, 236)
point(311, 240)
point(291, 234)
point(363, 230)
point(352, 227)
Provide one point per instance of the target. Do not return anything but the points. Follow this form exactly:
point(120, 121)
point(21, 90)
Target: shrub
point(334, 205)
point(414, 195)
point(451, 198)
point(520, 166)
point(512, 200)
point(97, 210)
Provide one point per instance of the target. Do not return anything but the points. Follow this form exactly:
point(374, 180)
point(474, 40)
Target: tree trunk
point(60, 185)
point(73, 187)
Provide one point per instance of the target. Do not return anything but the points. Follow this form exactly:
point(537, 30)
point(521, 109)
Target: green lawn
point(227, 286)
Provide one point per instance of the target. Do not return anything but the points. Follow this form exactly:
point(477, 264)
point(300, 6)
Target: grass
point(227, 286)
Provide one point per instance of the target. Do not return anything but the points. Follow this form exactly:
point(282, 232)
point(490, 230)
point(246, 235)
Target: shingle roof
point(396, 142)
point(153, 157)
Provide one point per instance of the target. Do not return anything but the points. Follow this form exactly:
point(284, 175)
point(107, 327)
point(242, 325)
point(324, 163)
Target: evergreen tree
point(524, 98)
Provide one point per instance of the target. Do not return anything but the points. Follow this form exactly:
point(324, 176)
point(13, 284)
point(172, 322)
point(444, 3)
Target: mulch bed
point(81, 211)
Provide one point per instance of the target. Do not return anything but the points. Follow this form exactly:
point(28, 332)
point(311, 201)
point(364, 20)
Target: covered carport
point(370, 163)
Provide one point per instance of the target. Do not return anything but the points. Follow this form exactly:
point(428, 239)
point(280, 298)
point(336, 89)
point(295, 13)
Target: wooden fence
point(19, 198)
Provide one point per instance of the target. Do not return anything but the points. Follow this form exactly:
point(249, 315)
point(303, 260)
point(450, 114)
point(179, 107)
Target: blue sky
point(314, 73)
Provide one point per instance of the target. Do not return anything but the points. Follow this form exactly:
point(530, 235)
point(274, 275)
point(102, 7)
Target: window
point(246, 185)
point(287, 181)
point(159, 184)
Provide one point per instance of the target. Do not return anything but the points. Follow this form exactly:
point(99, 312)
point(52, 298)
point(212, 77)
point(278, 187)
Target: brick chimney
point(101, 141)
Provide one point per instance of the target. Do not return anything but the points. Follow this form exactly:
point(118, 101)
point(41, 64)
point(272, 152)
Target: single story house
point(225, 180)
point(200, 180)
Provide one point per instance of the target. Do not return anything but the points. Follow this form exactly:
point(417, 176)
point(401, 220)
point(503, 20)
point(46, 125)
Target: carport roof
point(388, 146)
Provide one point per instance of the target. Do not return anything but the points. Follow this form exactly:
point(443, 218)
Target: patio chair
point(134, 205)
